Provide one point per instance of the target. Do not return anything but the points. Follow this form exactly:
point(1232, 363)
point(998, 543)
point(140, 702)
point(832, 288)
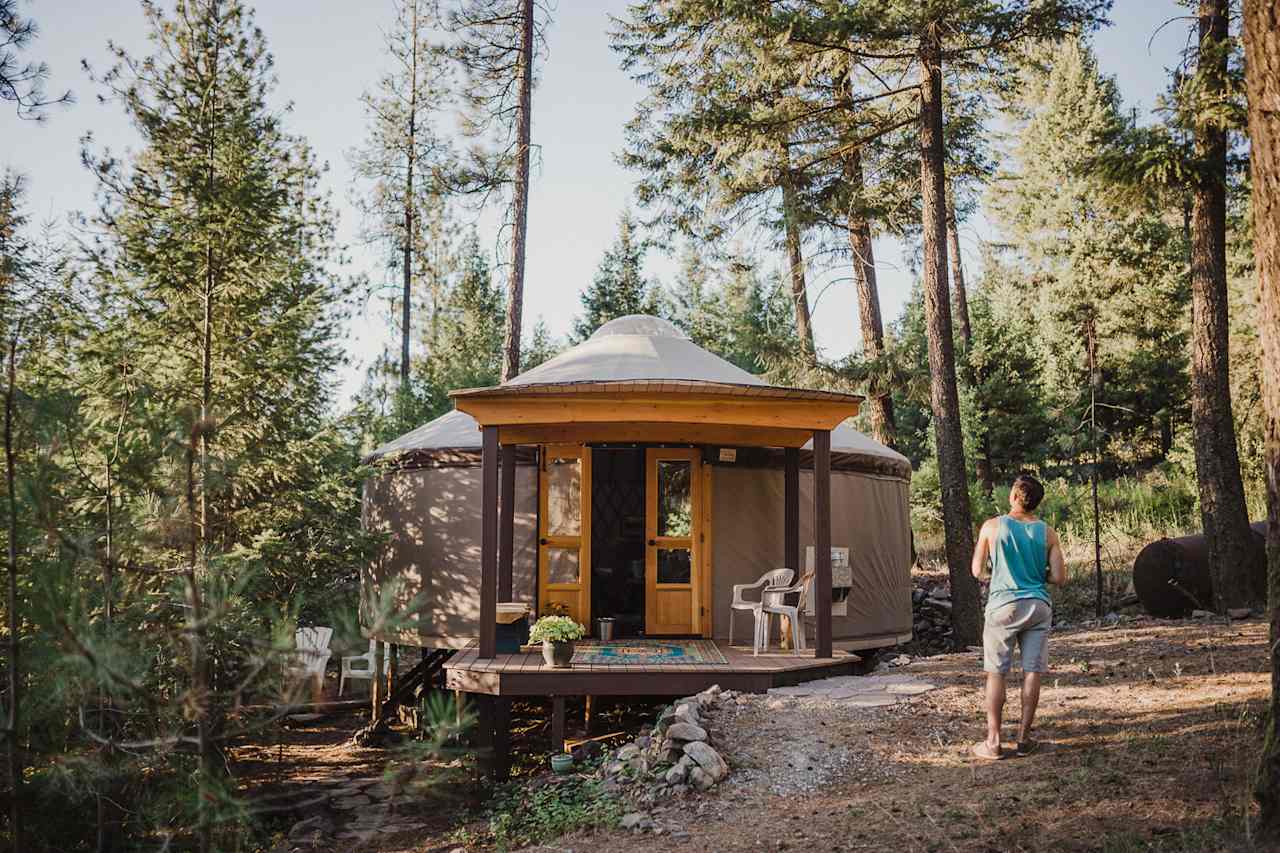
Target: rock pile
point(675, 754)
point(931, 619)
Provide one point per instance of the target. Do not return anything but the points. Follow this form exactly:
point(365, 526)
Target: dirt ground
point(1149, 731)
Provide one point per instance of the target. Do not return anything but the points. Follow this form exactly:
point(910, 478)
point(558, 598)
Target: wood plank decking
point(528, 675)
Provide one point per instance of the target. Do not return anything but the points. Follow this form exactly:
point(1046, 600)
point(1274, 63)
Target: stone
point(871, 700)
point(798, 690)
point(643, 741)
point(614, 768)
point(348, 803)
point(636, 821)
point(677, 774)
point(910, 688)
point(310, 827)
point(687, 713)
point(1200, 614)
point(701, 779)
point(686, 732)
point(707, 759)
point(628, 752)
point(1239, 612)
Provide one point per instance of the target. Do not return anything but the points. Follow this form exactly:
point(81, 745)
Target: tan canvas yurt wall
point(869, 515)
point(426, 499)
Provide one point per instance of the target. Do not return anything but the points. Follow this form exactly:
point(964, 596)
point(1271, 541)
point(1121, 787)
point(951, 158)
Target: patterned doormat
point(648, 652)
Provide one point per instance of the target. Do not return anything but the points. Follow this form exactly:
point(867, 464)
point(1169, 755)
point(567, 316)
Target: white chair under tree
point(769, 581)
point(357, 666)
point(312, 653)
point(775, 603)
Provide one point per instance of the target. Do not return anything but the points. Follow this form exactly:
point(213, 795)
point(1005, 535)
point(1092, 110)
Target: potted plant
point(556, 633)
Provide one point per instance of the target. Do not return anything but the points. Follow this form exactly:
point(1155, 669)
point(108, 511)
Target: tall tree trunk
point(1262, 82)
point(944, 398)
point(883, 426)
point(961, 297)
point(958, 292)
point(11, 724)
point(520, 201)
point(407, 259)
point(1222, 505)
point(795, 257)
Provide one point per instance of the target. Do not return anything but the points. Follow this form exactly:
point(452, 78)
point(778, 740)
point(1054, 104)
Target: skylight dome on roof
point(639, 324)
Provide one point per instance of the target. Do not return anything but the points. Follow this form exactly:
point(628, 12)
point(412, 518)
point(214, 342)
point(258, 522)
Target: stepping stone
point(798, 690)
point(911, 689)
point(871, 700)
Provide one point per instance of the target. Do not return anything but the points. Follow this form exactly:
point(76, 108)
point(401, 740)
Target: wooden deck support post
point(557, 724)
point(488, 542)
point(822, 540)
point(588, 711)
point(791, 510)
point(507, 522)
point(501, 739)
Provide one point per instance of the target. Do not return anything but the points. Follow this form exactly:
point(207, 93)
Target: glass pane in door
point(564, 496)
point(562, 565)
point(675, 497)
point(674, 565)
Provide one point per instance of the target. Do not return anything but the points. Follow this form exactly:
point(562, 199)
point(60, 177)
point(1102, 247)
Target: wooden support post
point(822, 540)
point(501, 739)
point(790, 524)
point(484, 740)
point(791, 510)
point(459, 707)
point(507, 522)
point(377, 687)
point(589, 710)
point(557, 724)
point(393, 666)
point(488, 543)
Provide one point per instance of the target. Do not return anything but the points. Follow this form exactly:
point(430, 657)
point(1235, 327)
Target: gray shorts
point(1025, 620)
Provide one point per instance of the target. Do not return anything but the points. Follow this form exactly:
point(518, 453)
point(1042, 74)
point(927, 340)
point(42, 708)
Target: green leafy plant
point(519, 817)
point(557, 629)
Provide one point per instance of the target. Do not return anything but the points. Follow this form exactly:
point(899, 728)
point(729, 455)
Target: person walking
point(1018, 547)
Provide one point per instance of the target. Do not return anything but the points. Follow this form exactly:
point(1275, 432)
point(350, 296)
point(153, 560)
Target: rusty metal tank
point(1171, 576)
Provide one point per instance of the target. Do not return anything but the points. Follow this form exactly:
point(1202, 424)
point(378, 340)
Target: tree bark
point(883, 425)
point(520, 201)
point(407, 260)
point(944, 397)
point(1262, 83)
point(1222, 504)
point(14, 685)
point(958, 292)
point(795, 257)
point(982, 464)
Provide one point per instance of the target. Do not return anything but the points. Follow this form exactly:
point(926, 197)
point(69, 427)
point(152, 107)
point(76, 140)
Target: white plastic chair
point(353, 672)
point(774, 602)
point(769, 581)
point(312, 653)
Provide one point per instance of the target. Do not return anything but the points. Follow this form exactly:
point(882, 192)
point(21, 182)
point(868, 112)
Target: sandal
point(1026, 747)
point(984, 752)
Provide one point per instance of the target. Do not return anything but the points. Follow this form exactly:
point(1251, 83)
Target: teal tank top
point(1019, 557)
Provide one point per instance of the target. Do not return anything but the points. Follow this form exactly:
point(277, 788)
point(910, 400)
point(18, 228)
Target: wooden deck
point(528, 675)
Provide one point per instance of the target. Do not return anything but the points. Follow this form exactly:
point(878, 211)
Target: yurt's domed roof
point(632, 348)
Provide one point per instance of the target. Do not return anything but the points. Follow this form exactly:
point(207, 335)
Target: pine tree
point(499, 41)
point(1222, 504)
point(404, 154)
point(217, 244)
point(1262, 70)
point(22, 83)
point(619, 287)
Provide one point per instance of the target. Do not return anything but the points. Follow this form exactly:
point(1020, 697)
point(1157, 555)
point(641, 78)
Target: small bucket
point(604, 629)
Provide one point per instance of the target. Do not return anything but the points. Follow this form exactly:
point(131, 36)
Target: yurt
point(641, 478)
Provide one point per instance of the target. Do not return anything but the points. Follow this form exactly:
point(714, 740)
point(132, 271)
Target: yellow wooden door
point(673, 553)
point(564, 530)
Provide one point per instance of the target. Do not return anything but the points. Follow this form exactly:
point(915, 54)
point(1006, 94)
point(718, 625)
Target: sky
point(327, 52)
